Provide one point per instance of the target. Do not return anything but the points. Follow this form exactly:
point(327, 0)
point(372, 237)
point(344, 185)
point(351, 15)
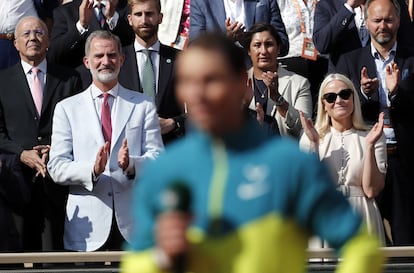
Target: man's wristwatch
point(280, 101)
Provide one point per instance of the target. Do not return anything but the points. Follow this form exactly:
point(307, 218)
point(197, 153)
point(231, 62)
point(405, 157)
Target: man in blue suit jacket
point(210, 15)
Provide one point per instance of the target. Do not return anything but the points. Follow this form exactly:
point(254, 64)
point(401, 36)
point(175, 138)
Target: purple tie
point(106, 119)
point(36, 90)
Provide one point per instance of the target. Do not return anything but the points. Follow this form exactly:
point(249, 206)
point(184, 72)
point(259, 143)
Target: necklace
point(261, 92)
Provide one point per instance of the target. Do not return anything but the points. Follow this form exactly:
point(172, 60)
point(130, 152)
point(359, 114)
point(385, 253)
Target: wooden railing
point(108, 257)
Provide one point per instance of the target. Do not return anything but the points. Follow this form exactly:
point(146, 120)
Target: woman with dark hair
point(356, 155)
point(278, 93)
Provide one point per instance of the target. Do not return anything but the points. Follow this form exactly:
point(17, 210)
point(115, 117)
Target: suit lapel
point(165, 71)
point(218, 10)
point(20, 82)
point(131, 68)
point(50, 87)
point(250, 11)
point(124, 110)
point(86, 104)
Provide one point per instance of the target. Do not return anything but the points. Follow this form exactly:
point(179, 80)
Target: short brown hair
point(131, 3)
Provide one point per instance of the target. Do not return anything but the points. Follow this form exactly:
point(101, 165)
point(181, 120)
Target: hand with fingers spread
point(368, 85)
point(271, 80)
point(392, 77)
point(123, 155)
point(101, 159)
point(234, 29)
point(309, 129)
point(86, 12)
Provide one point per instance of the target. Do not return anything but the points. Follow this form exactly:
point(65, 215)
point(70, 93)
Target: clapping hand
point(376, 131)
point(392, 77)
point(85, 12)
point(309, 129)
point(101, 159)
point(271, 80)
point(234, 29)
point(368, 85)
point(123, 155)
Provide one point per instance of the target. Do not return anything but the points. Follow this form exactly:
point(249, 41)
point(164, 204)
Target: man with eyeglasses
point(75, 21)
point(383, 72)
point(29, 92)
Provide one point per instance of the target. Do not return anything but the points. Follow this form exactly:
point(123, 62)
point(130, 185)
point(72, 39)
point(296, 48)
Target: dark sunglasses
point(343, 94)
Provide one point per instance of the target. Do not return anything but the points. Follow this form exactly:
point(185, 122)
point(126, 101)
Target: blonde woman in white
point(355, 154)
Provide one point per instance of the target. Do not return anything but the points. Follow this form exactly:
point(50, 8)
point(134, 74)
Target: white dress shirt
point(235, 11)
point(155, 57)
point(41, 74)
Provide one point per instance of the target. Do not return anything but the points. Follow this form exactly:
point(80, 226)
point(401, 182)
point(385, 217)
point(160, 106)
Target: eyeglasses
point(343, 94)
point(39, 33)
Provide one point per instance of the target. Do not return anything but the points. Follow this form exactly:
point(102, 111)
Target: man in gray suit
point(100, 138)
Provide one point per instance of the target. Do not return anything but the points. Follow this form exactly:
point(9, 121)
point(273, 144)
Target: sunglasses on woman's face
point(343, 94)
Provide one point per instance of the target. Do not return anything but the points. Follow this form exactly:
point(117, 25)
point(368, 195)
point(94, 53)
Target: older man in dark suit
point(30, 91)
point(75, 21)
point(383, 71)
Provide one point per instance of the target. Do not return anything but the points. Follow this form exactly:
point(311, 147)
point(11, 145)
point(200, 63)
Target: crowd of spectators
point(338, 75)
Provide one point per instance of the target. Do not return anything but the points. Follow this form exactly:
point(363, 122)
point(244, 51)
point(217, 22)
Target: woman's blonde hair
point(323, 120)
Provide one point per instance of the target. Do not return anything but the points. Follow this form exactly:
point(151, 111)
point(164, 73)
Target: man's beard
point(384, 39)
point(105, 77)
point(147, 34)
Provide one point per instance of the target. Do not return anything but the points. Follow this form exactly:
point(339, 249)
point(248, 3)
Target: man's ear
point(160, 18)
point(86, 62)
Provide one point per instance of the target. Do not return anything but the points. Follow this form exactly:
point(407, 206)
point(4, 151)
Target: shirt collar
point(96, 92)
point(376, 55)
point(27, 67)
point(154, 47)
point(95, 3)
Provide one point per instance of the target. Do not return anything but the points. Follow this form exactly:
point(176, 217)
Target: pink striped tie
point(106, 119)
point(37, 90)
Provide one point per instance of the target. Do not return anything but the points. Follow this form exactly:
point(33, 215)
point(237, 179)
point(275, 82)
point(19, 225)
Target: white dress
point(344, 154)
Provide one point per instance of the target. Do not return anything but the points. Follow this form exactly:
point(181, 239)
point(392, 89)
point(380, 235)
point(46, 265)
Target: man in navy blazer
point(336, 33)
point(210, 15)
point(144, 17)
point(383, 72)
point(76, 20)
point(26, 133)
